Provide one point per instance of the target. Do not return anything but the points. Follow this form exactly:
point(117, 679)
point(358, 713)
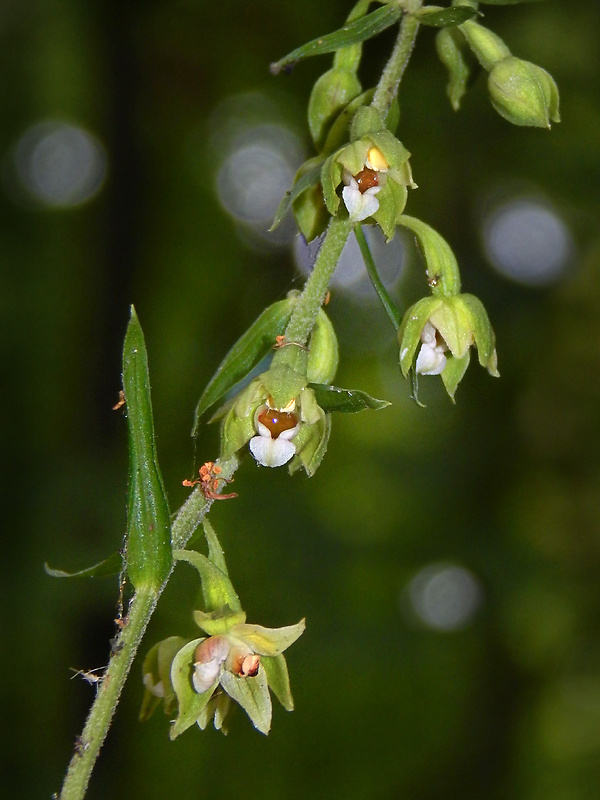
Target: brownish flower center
point(366, 179)
point(277, 421)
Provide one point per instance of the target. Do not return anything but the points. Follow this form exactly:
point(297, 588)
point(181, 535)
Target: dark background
point(504, 485)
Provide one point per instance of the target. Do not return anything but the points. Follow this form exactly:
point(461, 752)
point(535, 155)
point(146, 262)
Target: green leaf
point(279, 680)
point(358, 30)
point(438, 17)
point(348, 401)
point(217, 589)
point(110, 566)
point(245, 354)
point(148, 544)
point(190, 703)
point(253, 696)
point(309, 178)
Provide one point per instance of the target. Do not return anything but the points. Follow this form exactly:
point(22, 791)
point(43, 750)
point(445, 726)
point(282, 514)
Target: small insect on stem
point(211, 482)
point(281, 341)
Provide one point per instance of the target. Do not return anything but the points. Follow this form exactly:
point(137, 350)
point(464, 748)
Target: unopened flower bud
point(523, 93)
point(331, 93)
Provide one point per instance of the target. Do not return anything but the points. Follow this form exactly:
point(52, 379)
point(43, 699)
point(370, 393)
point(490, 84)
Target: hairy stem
point(141, 608)
point(387, 88)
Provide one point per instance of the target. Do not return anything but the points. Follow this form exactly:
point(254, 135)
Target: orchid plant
point(360, 175)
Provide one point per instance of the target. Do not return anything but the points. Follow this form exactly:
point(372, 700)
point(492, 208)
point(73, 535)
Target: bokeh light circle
point(59, 164)
point(528, 242)
point(445, 597)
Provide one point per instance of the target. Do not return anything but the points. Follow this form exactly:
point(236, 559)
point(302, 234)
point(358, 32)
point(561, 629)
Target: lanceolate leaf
point(349, 401)
point(148, 545)
point(245, 354)
point(438, 17)
point(352, 33)
point(110, 566)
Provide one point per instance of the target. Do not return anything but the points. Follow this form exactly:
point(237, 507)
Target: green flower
point(436, 336)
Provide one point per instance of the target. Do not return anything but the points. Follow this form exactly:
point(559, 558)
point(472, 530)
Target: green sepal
point(282, 384)
point(279, 680)
point(246, 353)
point(331, 177)
point(359, 30)
point(110, 566)
point(454, 372)
point(311, 445)
point(366, 121)
point(460, 62)
point(339, 131)
point(347, 401)
point(236, 431)
point(483, 333)
point(392, 201)
point(157, 665)
point(252, 694)
point(217, 623)
point(438, 17)
point(442, 268)
point(323, 356)
point(148, 539)
point(413, 322)
point(218, 592)
point(190, 703)
point(331, 93)
point(308, 176)
point(269, 641)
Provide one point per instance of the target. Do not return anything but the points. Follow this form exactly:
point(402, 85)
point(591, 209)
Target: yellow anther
point(376, 160)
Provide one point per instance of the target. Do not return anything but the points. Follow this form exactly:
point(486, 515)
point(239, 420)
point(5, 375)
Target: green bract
point(444, 329)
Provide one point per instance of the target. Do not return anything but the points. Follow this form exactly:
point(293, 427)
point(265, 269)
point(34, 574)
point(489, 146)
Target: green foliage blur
point(506, 484)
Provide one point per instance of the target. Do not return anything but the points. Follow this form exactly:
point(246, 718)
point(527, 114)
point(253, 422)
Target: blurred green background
point(446, 558)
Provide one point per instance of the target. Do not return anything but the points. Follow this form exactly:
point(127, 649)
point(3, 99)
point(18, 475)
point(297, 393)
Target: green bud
point(523, 93)
point(488, 48)
point(331, 93)
point(323, 356)
point(443, 330)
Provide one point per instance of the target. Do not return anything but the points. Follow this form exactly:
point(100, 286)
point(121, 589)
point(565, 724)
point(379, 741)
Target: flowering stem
point(315, 290)
point(391, 308)
point(387, 88)
point(140, 610)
